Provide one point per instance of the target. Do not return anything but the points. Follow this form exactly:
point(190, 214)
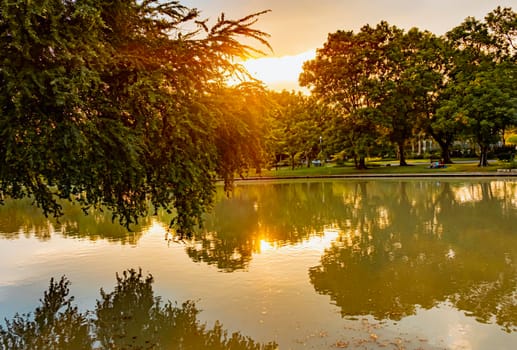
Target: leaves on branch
point(110, 104)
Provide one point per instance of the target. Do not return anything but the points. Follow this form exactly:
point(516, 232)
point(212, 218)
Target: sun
point(277, 72)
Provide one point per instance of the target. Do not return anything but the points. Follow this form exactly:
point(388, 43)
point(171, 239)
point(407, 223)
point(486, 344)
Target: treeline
point(378, 91)
point(385, 86)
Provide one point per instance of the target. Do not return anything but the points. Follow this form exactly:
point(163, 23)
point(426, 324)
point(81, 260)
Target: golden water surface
point(415, 264)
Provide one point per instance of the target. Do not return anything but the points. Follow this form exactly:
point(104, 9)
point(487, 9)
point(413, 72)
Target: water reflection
point(398, 246)
point(264, 215)
point(406, 248)
point(21, 218)
point(129, 317)
point(289, 213)
point(402, 245)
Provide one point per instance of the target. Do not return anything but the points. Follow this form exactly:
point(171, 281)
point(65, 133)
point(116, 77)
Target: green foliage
point(481, 90)
point(297, 125)
point(389, 85)
point(379, 78)
point(403, 87)
point(340, 76)
point(240, 130)
point(110, 104)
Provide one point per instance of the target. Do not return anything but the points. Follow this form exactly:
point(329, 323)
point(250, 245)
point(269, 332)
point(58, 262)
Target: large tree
point(404, 83)
point(381, 80)
point(481, 88)
point(486, 105)
point(340, 76)
point(108, 103)
point(436, 119)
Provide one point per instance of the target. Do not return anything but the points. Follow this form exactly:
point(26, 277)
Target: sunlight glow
point(156, 227)
point(265, 246)
point(275, 70)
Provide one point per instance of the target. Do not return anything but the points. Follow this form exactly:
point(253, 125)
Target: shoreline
point(380, 176)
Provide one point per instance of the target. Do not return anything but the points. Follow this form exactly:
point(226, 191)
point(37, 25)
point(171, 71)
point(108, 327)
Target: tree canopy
point(481, 89)
point(112, 104)
point(393, 86)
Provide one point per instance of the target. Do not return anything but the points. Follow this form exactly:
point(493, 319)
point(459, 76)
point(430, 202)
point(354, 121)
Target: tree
point(297, 125)
point(339, 75)
point(105, 103)
point(502, 23)
point(381, 78)
point(240, 130)
point(403, 83)
point(283, 136)
point(481, 90)
point(437, 120)
point(488, 104)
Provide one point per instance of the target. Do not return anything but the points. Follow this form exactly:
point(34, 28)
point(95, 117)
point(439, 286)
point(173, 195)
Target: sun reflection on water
point(315, 242)
point(266, 246)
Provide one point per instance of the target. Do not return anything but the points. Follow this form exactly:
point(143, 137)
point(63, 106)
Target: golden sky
point(299, 27)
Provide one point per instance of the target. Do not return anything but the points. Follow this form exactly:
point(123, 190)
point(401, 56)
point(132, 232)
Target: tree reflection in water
point(284, 213)
point(129, 317)
point(20, 217)
point(403, 244)
point(405, 249)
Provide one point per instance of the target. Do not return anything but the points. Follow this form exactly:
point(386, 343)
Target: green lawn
point(380, 167)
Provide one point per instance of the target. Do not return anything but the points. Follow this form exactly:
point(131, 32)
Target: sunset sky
point(299, 27)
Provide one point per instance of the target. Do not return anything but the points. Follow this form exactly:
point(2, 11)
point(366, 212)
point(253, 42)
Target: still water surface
point(414, 264)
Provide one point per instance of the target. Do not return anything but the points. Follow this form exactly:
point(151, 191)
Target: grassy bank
point(385, 167)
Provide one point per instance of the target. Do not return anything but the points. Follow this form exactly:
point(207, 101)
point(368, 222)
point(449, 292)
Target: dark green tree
point(105, 103)
point(340, 76)
point(436, 120)
point(480, 90)
point(408, 87)
point(297, 125)
point(487, 105)
point(381, 79)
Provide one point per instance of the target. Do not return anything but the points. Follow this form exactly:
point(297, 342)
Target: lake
point(307, 264)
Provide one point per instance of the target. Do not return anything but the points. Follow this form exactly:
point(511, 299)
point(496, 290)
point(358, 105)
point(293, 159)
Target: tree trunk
point(362, 163)
point(446, 155)
point(402, 155)
point(292, 162)
point(483, 156)
point(445, 146)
